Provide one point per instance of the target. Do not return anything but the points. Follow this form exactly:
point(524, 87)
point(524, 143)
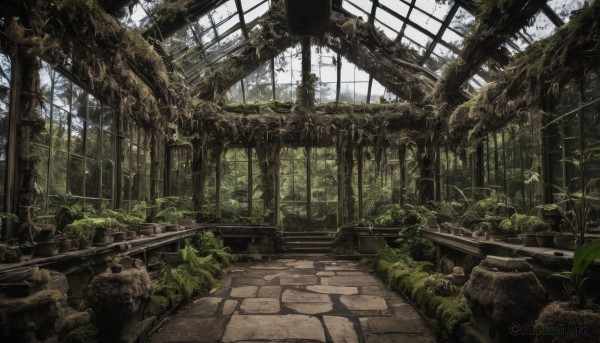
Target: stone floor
point(298, 300)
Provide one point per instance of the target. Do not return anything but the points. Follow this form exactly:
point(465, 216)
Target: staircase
point(317, 242)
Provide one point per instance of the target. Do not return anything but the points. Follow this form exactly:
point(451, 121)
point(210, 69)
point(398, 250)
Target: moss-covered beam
point(368, 124)
point(116, 62)
point(535, 76)
point(262, 45)
point(394, 65)
point(496, 21)
point(172, 15)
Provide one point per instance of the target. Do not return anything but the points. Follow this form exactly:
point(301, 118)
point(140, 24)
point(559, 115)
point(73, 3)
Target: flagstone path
point(298, 300)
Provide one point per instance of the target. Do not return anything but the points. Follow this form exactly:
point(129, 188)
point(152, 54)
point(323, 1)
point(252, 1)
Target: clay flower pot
point(545, 239)
point(565, 242)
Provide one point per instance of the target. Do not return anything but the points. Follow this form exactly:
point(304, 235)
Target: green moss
point(83, 334)
point(414, 280)
point(158, 305)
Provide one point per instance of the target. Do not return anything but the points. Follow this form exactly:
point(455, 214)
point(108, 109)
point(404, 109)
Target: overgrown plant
point(574, 282)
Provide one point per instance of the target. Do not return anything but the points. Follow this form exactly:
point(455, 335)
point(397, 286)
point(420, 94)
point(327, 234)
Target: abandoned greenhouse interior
point(300, 171)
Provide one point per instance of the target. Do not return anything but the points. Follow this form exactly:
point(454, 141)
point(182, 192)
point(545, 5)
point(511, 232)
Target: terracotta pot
point(530, 240)
point(565, 242)
point(147, 231)
point(44, 249)
point(546, 241)
point(131, 234)
point(102, 236)
point(65, 245)
point(118, 236)
point(172, 227)
point(83, 244)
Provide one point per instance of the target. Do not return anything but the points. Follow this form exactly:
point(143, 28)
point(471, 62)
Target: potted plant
point(577, 312)
point(565, 240)
point(545, 238)
point(171, 215)
point(551, 213)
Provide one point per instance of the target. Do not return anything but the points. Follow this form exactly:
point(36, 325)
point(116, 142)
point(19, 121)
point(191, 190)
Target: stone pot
point(103, 236)
point(118, 236)
point(565, 242)
point(466, 233)
point(45, 235)
point(173, 259)
point(147, 226)
point(529, 240)
point(496, 237)
point(558, 314)
point(370, 244)
point(131, 234)
point(545, 240)
point(45, 249)
point(83, 243)
point(147, 231)
point(456, 231)
point(172, 227)
point(65, 245)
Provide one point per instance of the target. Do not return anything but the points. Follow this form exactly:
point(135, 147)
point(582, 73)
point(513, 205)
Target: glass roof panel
point(252, 13)
point(425, 21)
point(387, 30)
point(541, 28)
point(438, 10)
point(452, 38)
point(461, 21)
point(395, 5)
point(137, 16)
point(224, 11)
point(248, 4)
point(360, 8)
point(221, 29)
point(417, 36)
point(390, 20)
point(564, 8)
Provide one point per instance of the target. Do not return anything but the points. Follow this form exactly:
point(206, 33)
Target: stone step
point(308, 239)
point(307, 244)
point(307, 233)
point(308, 250)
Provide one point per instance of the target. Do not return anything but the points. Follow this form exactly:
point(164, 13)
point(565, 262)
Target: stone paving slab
point(191, 329)
point(363, 302)
point(332, 289)
point(353, 280)
point(310, 308)
point(274, 328)
point(260, 305)
point(301, 301)
point(297, 280)
point(293, 296)
point(244, 292)
point(269, 292)
point(204, 307)
point(340, 329)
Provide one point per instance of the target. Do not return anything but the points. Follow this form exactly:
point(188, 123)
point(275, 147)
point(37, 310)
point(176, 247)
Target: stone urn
point(580, 325)
point(499, 299)
point(118, 300)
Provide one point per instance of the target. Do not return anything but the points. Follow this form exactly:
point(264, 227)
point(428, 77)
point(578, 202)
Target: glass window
point(360, 8)
point(5, 77)
point(395, 5)
point(564, 9)
point(77, 138)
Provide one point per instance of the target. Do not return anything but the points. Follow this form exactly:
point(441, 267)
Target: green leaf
point(584, 256)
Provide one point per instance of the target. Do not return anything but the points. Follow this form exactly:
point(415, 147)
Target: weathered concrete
point(298, 301)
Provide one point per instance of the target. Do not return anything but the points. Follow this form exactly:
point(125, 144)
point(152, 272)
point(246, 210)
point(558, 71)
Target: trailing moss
point(414, 280)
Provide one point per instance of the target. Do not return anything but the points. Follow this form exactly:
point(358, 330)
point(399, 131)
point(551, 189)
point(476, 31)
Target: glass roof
point(434, 29)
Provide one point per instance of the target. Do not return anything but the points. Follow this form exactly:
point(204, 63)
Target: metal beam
point(441, 32)
point(238, 5)
point(373, 10)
